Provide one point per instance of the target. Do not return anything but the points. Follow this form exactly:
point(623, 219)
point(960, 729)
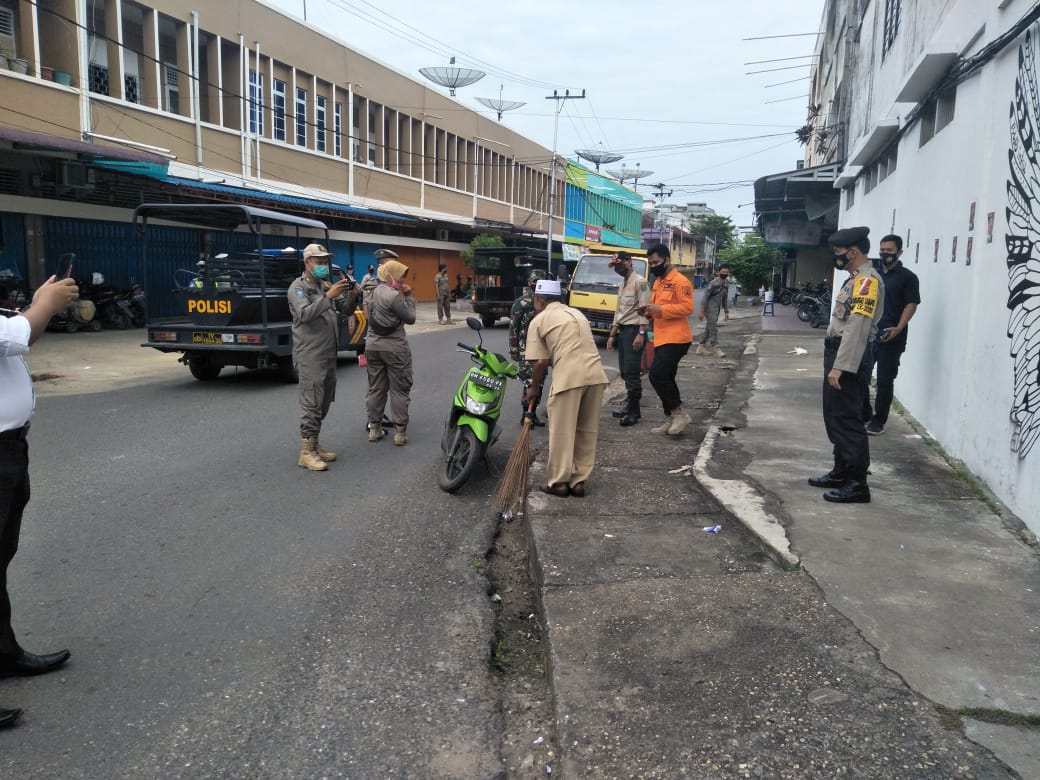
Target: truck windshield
point(593, 270)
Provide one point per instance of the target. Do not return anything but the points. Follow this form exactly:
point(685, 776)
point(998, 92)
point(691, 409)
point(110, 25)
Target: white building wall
point(958, 375)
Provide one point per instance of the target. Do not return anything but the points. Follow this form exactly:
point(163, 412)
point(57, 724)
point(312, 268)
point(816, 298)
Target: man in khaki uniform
point(847, 361)
point(316, 304)
point(443, 295)
point(628, 334)
point(560, 336)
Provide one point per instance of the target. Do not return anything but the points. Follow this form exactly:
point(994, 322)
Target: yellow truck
point(594, 285)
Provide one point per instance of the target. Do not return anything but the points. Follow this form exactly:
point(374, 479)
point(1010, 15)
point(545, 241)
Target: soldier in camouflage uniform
point(520, 317)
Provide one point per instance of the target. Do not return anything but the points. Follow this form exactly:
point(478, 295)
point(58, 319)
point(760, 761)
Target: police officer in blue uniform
point(847, 361)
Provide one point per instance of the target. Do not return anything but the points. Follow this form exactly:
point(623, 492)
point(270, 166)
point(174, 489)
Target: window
point(256, 102)
point(133, 93)
point(319, 122)
point(337, 129)
point(937, 113)
point(173, 95)
point(98, 75)
point(891, 25)
point(279, 110)
point(301, 117)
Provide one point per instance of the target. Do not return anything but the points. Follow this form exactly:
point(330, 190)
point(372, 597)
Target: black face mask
point(840, 261)
point(658, 270)
point(620, 270)
point(888, 259)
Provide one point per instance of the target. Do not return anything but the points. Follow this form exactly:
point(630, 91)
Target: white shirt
point(17, 399)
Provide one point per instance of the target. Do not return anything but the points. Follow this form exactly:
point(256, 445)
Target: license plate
point(198, 337)
point(485, 381)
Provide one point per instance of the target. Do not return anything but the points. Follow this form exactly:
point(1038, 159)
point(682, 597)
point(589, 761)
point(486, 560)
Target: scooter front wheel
point(458, 463)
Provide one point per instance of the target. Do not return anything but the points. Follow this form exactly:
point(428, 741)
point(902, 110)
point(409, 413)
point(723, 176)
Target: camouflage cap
point(385, 254)
point(534, 276)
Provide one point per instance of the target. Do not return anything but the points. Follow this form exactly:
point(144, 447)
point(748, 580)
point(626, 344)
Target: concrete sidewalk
point(861, 643)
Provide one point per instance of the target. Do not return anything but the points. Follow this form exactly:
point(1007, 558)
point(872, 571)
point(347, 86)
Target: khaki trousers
point(389, 375)
point(573, 431)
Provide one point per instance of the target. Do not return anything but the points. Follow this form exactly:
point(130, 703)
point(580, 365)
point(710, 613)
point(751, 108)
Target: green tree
point(751, 262)
point(481, 241)
point(715, 226)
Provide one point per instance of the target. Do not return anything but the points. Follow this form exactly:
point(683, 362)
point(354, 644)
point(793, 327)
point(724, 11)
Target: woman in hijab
point(391, 307)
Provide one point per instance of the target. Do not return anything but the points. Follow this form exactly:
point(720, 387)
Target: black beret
point(848, 236)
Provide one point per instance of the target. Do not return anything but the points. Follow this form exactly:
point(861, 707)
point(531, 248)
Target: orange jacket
point(674, 293)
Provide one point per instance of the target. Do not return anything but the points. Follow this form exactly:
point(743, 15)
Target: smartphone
point(65, 265)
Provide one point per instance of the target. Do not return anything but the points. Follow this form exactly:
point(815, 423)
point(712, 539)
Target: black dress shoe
point(29, 664)
point(8, 717)
point(629, 419)
point(560, 490)
point(852, 492)
point(578, 490)
point(617, 414)
point(537, 422)
point(832, 479)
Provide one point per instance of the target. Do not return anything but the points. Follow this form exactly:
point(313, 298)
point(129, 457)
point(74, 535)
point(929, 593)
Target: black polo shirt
point(901, 288)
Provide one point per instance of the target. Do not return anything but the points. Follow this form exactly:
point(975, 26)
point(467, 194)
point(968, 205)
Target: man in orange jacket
point(670, 308)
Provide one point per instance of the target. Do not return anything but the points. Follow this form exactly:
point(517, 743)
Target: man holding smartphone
point(314, 302)
point(17, 403)
point(670, 309)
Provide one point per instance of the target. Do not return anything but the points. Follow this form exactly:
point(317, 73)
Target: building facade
point(931, 109)
point(110, 103)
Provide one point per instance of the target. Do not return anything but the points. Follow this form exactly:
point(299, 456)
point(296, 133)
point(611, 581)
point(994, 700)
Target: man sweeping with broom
point(560, 336)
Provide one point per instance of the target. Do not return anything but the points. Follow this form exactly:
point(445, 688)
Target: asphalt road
point(232, 615)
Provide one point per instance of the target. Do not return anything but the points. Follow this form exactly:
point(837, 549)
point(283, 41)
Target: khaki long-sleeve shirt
point(856, 312)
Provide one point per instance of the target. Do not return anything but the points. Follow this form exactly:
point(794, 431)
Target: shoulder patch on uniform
point(864, 298)
point(688, 292)
point(299, 293)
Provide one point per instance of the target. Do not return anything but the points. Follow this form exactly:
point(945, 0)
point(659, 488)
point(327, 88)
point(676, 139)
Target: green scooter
point(472, 423)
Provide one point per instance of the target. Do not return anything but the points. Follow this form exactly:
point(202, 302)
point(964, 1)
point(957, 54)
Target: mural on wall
point(1023, 248)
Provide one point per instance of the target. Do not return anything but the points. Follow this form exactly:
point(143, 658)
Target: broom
point(513, 485)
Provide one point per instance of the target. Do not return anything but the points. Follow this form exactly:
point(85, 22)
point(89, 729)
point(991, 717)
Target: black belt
point(832, 342)
point(15, 434)
point(633, 325)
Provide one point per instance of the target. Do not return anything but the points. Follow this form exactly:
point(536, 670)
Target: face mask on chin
point(658, 270)
point(320, 272)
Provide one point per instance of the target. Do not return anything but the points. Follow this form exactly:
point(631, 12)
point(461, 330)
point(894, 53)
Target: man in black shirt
point(902, 296)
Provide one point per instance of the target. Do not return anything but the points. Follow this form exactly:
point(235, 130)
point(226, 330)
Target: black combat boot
point(617, 414)
point(853, 491)
point(834, 478)
point(632, 414)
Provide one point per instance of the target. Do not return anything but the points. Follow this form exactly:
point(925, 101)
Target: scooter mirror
point(474, 323)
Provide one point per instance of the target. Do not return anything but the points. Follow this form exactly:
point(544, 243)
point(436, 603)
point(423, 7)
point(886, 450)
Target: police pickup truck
point(229, 307)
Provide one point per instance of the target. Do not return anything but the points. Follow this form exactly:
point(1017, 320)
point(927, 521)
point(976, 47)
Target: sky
point(666, 82)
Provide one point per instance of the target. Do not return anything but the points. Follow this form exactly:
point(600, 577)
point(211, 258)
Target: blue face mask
point(320, 272)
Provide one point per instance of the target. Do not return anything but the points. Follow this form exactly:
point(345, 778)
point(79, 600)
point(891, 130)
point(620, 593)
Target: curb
point(745, 503)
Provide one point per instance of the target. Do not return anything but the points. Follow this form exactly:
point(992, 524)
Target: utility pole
point(659, 197)
point(552, 168)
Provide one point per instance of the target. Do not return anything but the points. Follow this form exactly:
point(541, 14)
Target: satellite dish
point(452, 77)
point(598, 156)
point(500, 105)
point(635, 174)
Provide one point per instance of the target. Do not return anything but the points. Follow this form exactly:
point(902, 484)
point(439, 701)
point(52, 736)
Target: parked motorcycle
point(815, 310)
point(472, 424)
point(134, 298)
point(113, 309)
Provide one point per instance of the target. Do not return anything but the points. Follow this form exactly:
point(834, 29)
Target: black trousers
point(663, 371)
point(628, 362)
point(14, 495)
point(886, 358)
point(842, 417)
